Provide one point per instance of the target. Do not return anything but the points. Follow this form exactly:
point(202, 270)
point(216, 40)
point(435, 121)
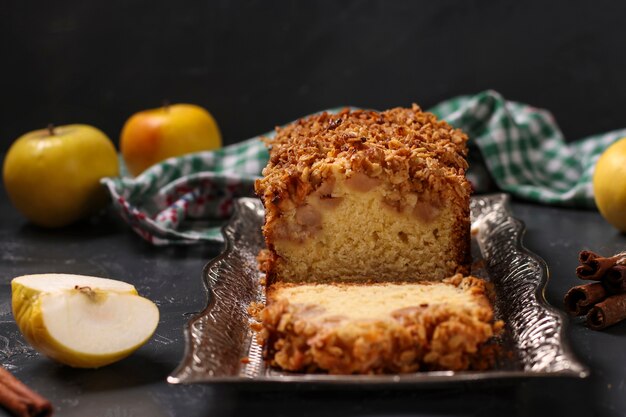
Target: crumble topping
point(411, 149)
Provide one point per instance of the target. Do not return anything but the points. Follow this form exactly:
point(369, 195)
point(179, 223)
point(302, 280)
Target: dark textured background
point(255, 64)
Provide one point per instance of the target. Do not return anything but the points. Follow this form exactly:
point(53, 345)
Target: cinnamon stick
point(20, 400)
point(579, 300)
point(615, 279)
point(608, 312)
point(593, 266)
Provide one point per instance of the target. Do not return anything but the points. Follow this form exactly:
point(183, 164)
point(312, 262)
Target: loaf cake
point(367, 231)
point(349, 328)
point(366, 196)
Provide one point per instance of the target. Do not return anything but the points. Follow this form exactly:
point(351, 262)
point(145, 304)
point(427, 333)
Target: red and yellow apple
point(151, 136)
point(52, 176)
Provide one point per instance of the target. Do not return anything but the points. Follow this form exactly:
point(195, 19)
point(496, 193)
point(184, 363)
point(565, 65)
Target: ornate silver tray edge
point(213, 336)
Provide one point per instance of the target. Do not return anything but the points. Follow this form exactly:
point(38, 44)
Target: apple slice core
point(101, 324)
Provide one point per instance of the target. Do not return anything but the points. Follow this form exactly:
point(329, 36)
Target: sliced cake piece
point(362, 195)
point(377, 328)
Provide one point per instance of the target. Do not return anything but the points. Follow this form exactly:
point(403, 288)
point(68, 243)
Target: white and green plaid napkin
point(186, 199)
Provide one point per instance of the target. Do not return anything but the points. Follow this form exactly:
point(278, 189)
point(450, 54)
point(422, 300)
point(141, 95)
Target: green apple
point(52, 176)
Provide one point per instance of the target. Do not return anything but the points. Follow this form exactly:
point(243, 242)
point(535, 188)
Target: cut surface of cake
point(363, 195)
point(352, 328)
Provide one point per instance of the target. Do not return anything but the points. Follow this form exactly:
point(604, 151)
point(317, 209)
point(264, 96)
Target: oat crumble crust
point(415, 150)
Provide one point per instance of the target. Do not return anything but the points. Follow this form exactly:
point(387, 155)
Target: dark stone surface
point(136, 386)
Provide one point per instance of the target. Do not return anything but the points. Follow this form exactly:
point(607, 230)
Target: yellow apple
point(52, 176)
point(609, 184)
point(151, 136)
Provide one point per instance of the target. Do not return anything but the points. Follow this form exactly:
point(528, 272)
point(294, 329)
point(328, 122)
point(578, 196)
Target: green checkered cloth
point(525, 151)
point(513, 147)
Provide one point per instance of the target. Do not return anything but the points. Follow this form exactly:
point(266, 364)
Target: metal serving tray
point(219, 337)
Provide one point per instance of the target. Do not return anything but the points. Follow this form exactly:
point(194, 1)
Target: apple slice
point(82, 321)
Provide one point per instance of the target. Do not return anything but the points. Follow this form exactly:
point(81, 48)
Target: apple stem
point(166, 105)
point(51, 129)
